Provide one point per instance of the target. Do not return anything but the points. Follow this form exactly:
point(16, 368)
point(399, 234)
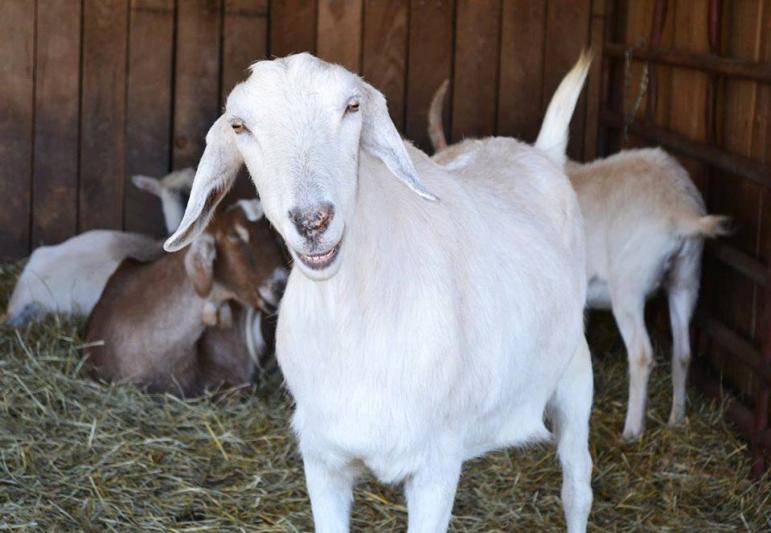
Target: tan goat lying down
point(645, 224)
point(165, 325)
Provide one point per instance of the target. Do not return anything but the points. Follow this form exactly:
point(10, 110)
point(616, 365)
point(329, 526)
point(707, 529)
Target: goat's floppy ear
point(380, 138)
point(216, 173)
point(252, 209)
point(147, 184)
point(199, 264)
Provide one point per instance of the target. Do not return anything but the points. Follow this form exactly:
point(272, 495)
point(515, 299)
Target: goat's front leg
point(331, 493)
point(430, 495)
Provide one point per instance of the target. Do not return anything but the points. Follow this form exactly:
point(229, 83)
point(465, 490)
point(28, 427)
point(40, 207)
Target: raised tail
point(435, 122)
point(553, 137)
point(708, 226)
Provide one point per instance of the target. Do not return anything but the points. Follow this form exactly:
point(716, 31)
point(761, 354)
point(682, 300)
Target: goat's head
point(299, 124)
point(236, 254)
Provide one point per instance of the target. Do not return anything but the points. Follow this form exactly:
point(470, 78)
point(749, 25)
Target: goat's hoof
point(676, 418)
point(631, 435)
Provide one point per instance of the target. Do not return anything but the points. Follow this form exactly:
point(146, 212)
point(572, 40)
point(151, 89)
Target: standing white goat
point(645, 226)
point(414, 333)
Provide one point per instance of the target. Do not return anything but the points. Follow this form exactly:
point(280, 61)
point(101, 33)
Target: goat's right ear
point(216, 173)
point(199, 264)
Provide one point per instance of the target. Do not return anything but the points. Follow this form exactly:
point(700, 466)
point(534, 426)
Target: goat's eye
point(352, 107)
point(239, 127)
point(234, 236)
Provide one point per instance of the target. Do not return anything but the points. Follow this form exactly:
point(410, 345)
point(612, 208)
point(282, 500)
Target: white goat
point(68, 278)
point(414, 333)
point(645, 226)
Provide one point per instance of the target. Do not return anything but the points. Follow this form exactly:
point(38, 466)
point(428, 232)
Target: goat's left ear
point(216, 173)
point(380, 138)
point(199, 264)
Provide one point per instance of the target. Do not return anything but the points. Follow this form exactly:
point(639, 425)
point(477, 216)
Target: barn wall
point(731, 113)
point(95, 91)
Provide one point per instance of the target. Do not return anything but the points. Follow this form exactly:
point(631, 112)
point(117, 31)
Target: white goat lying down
point(68, 278)
point(415, 332)
point(645, 226)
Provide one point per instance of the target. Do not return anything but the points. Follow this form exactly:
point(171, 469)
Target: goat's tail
point(553, 137)
point(435, 122)
point(708, 226)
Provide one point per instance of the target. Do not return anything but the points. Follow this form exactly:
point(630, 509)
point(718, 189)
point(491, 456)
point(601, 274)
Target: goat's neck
point(180, 299)
point(380, 238)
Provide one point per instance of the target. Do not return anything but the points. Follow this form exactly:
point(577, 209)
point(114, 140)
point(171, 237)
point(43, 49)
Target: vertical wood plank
point(735, 195)
point(17, 26)
point(148, 121)
point(103, 109)
point(244, 40)
point(429, 63)
point(384, 52)
point(292, 27)
point(761, 132)
point(521, 68)
point(197, 78)
point(475, 84)
point(567, 31)
point(339, 32)
point(57, 94)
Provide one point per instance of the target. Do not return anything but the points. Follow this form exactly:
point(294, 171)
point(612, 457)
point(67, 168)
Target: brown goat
point(160, 324)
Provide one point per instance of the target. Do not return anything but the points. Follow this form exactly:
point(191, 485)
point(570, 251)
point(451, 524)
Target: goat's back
point(149, 320)
point(69, 277)
point(638, 207)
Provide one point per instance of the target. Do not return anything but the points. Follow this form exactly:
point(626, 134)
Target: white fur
point(442, 330)
point(169, 190)
point(645, 224)
point(69, 277)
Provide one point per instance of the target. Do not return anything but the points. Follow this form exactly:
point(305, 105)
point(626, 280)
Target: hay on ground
point(77, 455)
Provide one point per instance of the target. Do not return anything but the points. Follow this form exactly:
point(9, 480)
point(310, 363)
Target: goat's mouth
point(322, 260)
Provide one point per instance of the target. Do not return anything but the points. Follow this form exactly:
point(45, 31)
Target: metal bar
point(609, 78)
point(737, 68)
point(731, 163)
point(714, 36)
point(657, 29)
point(744, 263)
point(763, 393)
point(744, 351)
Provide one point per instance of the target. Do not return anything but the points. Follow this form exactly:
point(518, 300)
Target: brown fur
point(150, 314)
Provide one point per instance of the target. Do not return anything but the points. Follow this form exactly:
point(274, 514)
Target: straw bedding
point(78, 455)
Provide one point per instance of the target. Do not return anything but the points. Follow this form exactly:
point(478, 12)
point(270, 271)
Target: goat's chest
point(367, 382)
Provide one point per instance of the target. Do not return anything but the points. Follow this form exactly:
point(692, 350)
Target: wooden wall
point(742, 126)
point(94, 91)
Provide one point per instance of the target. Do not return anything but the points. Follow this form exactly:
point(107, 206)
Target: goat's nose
point(314, 221)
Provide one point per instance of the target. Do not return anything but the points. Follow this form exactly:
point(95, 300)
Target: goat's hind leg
point(629, 312)
point(570, 409)
point(682, 292)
